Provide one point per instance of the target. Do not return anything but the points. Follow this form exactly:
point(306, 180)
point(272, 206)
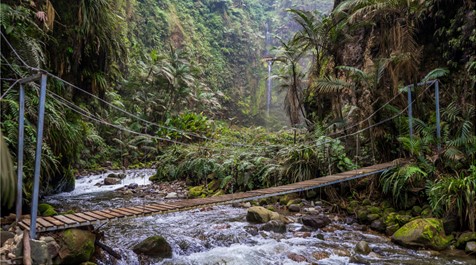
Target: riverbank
point(307, 229)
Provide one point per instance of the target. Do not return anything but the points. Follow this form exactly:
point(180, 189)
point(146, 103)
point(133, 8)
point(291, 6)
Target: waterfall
point(270, 63)
point(268, 99)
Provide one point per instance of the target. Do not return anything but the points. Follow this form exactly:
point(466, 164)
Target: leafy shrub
point(455, 195)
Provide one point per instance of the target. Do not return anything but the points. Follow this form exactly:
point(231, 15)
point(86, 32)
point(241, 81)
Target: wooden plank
point(102, 213)
point(140, 209)
point(54, 221)
point(24, 226)
point(86, 217)
point(65, 220)
point(117, 215)
point(129, 211)
point(28, 223)
point(44, 223)
point(75, 218)
point(121, 212)
point(98, 217)
point(156, 208)
point(168, 206)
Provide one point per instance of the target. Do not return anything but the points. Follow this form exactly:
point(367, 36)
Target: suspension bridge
point(59, 222)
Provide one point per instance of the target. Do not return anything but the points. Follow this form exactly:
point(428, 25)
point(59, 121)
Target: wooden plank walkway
point(60, 222)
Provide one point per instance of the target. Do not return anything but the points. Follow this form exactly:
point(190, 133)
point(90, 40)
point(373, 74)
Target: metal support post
point(39, 141)
point(438, 126)
point(410, 115)
point(21, 136)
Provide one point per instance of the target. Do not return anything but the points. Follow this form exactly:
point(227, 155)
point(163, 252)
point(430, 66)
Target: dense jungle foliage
point(177, 82)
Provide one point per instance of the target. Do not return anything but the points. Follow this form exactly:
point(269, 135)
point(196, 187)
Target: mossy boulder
point(465, 237)
point(373, 216)
point(374, 210)
point(154, 246)
point(470, 247)
point(76, 246)
point(46, 210)
point(428, 233)
point(213, 186)
point(258, 214)
point(196, 191)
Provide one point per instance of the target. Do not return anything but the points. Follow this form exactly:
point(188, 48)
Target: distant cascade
point(270, 63)
point(268, 99)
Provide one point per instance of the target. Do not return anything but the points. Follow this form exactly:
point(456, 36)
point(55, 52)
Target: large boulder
point(470, 247)
point(258, 214)
point(111, 181)
point(316, 221)
point(465, 237)
point(154, 246)
point(428, 233)
point(76, 246)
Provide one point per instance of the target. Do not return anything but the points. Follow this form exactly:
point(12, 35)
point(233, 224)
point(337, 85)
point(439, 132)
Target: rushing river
point(221, 235)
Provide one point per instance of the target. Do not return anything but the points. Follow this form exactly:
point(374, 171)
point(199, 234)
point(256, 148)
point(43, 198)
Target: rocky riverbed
point(281, 230)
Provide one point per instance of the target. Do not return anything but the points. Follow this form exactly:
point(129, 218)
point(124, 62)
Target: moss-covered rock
point(426, 212)
point(374, 210)
point(154, 246)
point(416, 210)
point(213, 185)
point(46, 210)
point(196, 191)
point(371, 217)
point(361, 215)
point(76, 246)
point(470, 247)
point(258, 214)
point(465, 237)
point(391, 229)
point(427, 232)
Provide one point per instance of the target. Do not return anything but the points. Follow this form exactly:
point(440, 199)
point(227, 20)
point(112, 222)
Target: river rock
point(470, 247)
point(363, 248)
point(172, 195)
point(76, 246)
point(133, 186)
point(378, 225)
point(320, 255)
point(39, 252)
point(4, 236)
point(296, 257)
point(258, 214)
point(154, 246)
point(252, 230)
point(294, 208)
point(275, 226)
point(427, 232)
point(316, 221)
point(111, 181)
point(465, 237)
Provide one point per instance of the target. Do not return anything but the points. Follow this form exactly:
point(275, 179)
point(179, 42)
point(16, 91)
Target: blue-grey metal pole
point(438, 126)
point(21, 133)
point(410, 115)
point(39, 141)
